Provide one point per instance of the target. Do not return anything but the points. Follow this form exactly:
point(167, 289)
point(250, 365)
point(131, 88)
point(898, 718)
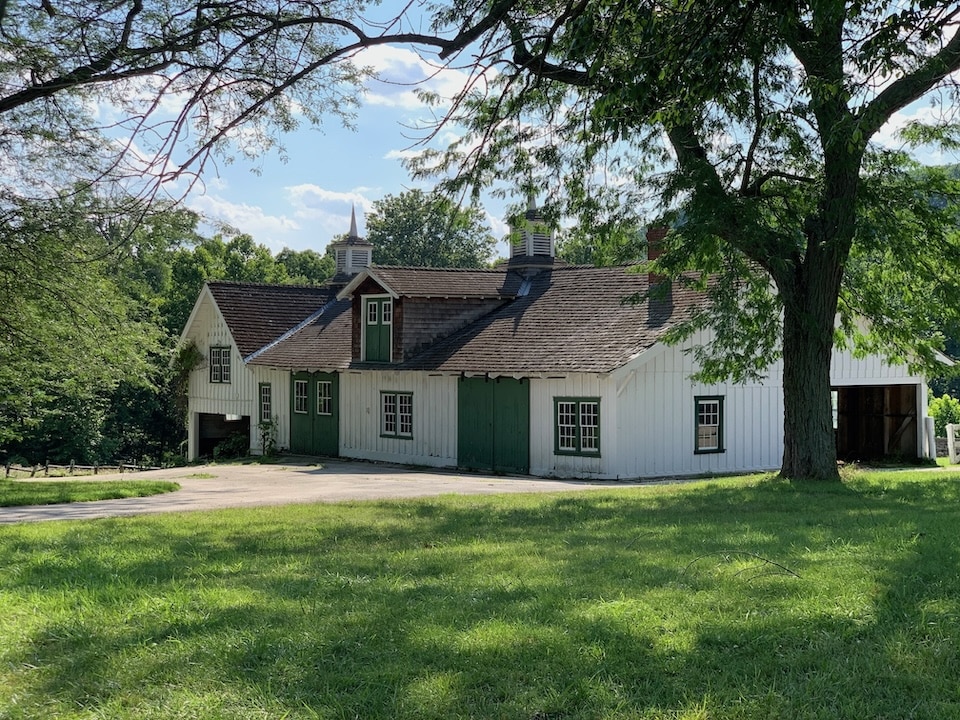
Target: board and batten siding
point(240, 396)
point(647, 416)
point(434, 440)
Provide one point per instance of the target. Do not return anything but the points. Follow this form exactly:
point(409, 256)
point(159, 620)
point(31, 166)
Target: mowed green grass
point(47, 492)
point(736, 598)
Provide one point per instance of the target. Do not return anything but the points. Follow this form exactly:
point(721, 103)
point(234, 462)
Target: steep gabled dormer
point(399, 311)
point(352, 254)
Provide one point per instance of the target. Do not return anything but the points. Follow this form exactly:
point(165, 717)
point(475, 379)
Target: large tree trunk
point(810, 296)
point(809, 441)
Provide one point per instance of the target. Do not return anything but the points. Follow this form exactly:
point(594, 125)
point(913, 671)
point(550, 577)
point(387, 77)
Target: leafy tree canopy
point(746, 127)
point(424, 229)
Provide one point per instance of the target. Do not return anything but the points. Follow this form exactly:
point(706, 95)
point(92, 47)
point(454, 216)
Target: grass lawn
point(735, 598)
point(47, 492)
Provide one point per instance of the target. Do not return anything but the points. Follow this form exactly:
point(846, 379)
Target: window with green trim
point(219, 364)
point(396, 414)
point(577, 426)
point(709, 419)
point(266, 402)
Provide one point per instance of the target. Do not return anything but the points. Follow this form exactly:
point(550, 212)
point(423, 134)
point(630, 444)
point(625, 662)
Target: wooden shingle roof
point(421, 282)
point(259, 314)
point(573, 319)
point(322, 344)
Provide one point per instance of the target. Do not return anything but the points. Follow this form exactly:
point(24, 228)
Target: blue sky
point(303, 202)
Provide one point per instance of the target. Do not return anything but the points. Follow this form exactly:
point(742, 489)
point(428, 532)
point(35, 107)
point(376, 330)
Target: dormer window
point(377, 328)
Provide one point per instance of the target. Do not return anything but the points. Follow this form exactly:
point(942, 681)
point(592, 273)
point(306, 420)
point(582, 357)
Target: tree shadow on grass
point(730, 601)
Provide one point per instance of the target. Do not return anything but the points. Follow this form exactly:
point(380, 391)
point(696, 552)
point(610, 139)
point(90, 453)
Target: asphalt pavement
point(293, 480)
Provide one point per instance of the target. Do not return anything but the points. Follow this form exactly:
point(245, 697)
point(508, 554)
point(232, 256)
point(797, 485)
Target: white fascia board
point(350, 288)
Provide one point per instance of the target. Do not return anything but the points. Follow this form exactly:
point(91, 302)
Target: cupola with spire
point(535, 238)
point(352, 254)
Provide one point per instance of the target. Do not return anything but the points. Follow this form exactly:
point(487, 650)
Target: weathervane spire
point(353, 223)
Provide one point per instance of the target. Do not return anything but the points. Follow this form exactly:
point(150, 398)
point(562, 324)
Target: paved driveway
point(225, 486)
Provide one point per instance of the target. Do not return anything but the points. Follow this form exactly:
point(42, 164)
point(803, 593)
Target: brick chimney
point(655, 236)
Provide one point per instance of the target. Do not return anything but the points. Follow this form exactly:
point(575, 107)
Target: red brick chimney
point(655, 236)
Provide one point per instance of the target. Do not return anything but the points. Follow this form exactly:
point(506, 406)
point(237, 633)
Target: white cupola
point(354, 253)
point(535, 238)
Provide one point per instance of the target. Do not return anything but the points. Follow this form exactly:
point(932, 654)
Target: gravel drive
point(294, 480)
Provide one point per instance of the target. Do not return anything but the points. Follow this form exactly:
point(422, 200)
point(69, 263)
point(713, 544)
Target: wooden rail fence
point(72, 468)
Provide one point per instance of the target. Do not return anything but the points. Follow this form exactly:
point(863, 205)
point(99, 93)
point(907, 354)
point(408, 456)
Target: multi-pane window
point(709, 437)
point(386, 312)
point(300, 396)
point(372, 313)
point(219, 364)
point(396, 414)
point(266, 403)
point(577, 426)
point(324, 397)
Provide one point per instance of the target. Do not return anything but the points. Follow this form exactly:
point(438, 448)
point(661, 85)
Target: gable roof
point(573, 319)
point(324, 343)
point(423, 282)
point(258, 314)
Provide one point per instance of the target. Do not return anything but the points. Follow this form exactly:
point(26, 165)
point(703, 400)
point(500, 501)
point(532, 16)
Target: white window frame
point(708, 424)
point(265, 397)
point(301, 396)
point(576, 426)
point(324, 397)
point(220, 364)
point(396, 414)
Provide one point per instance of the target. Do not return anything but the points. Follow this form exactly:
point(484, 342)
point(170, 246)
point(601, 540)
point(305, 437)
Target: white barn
point(532, 367)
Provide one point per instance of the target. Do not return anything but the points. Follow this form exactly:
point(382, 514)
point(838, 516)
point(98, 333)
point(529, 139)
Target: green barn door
point(314, 413)
point(326, 422)
point(301, 421)
point(378, 321)
point(475, 424)
point(511, 425)
point(493, 420)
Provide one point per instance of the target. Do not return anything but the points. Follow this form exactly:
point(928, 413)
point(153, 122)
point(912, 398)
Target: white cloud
point(401, 72)
point(326, 213)
point(888, 135)
point(274, 231)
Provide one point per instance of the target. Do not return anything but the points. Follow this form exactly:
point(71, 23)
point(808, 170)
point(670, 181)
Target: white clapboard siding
point(434, 441)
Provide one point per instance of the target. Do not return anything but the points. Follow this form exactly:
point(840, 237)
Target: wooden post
point(46, 468)
point(94, 468)
point(33, 470)
point(72, 465)
point(7, 470)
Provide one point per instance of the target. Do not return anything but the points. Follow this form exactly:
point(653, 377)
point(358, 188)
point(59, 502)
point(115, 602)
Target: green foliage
point(421, 229)
point(748, 128)
point(268, 437)
point(734, 598)
point(236, 445)
point(306, 267)
point(70, 334)
point(945, 410)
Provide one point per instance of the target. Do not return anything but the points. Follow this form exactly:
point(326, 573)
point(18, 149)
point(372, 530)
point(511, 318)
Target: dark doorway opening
point(876, 422)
